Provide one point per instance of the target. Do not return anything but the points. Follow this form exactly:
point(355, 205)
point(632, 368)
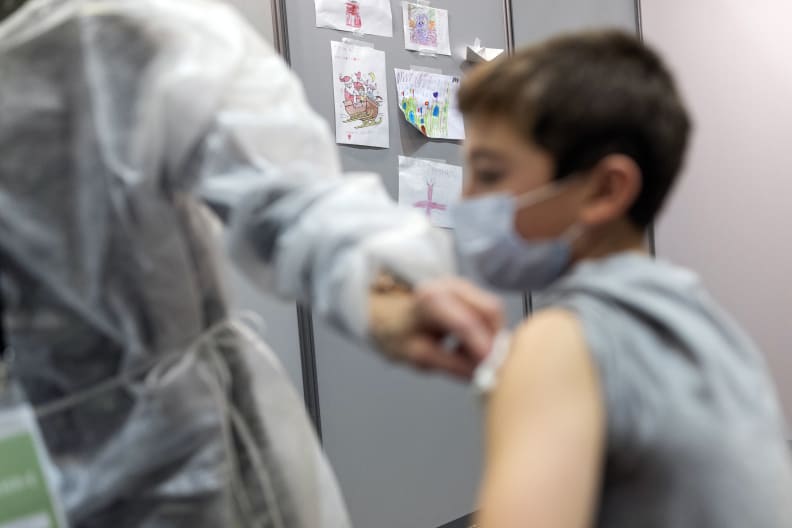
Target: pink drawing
point(429, 205)
point(353, 14)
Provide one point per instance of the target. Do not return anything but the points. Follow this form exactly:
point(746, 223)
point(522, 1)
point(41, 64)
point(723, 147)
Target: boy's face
point(499, 160)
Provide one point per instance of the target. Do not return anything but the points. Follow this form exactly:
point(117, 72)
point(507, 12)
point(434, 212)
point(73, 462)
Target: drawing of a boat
point(367, 111)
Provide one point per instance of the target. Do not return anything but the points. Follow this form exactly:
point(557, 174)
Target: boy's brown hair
point(584, 96)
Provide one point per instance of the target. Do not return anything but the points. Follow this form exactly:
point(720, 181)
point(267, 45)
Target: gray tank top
point(695, 437)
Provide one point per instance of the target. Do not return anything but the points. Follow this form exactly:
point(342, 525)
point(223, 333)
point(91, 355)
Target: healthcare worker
point(158, 406)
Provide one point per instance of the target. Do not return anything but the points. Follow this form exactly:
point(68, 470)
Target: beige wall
point(731, 218)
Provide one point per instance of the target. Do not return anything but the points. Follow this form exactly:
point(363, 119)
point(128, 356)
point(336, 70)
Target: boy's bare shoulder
point(547, 330)
point(548, 352)
point(545, 423)
point(547, 321)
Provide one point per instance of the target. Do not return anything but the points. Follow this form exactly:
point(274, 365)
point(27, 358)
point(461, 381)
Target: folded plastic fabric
point(116, 118)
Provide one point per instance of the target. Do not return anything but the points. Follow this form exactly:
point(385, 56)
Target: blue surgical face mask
point(492, 251)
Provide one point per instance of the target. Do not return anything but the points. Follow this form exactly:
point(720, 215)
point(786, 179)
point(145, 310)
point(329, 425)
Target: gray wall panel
point(538, 19)
point(279, 318)
point(280, 327)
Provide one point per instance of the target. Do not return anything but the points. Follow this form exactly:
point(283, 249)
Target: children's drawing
point(428, 102)
point(428, 204)
point(362, 101)
point(361, 106)
point(426, 29)
point(422, 25)
point(430, 187)
point(353, 19)
point(368, 17)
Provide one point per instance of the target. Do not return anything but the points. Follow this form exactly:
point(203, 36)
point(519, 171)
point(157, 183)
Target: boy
point(630, 399)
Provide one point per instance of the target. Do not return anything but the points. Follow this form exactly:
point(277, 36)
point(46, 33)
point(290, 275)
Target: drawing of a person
point(349, 93)
point(371, 87)
point(360, 91)
point(360, 88)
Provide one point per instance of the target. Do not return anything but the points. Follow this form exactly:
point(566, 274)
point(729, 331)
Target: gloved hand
point(446, 325)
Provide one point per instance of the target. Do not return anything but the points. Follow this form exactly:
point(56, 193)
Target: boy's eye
point(488, 176)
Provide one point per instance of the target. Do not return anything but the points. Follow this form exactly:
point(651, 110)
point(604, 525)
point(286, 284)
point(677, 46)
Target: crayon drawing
point(422, 25)
point(426, 29)
point(429, 115)
point(428, 102)
point(428, 204)
point(361, 107)
point(362, 101)
point(353, 19)
point(368, 17)
point(431, 187)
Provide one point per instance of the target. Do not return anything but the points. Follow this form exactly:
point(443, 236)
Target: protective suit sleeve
point(300, 228)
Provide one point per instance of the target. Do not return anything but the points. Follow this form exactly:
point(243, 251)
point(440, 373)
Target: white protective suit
point(159, 408)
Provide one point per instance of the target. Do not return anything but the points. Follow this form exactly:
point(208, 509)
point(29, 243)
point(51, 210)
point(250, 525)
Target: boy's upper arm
point(546, 424)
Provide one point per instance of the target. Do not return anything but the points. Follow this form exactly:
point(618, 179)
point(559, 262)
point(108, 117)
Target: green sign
point(25, 498)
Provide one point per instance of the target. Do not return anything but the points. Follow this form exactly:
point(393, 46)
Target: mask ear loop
point(547, 191)
point(574, 232)
point(550, 190)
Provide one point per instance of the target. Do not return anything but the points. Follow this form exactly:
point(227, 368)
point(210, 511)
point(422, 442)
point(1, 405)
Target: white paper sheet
point(368, 17)
point(429, 103)
point(478, 54)
point(431, 187)
point(360, 95)
point(426, 29)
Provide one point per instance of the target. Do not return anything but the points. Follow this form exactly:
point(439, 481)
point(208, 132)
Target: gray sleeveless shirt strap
point(695, 437)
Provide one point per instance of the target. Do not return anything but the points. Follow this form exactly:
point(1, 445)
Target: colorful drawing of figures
point(423, 25)
point(362, 101)
point(429, 116)
point(353, 19)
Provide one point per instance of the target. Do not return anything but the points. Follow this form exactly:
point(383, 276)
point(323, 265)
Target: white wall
point(730, 218)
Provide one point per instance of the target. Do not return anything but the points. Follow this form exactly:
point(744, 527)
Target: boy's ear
point(612, 188)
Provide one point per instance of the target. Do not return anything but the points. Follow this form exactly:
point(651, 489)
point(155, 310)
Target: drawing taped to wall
point(428, 102)
point(361, 106)
point(368, 17)
point(362, 101)
point(426, 29)
point(431, 187)
point(422, 23)
point(353, 19)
